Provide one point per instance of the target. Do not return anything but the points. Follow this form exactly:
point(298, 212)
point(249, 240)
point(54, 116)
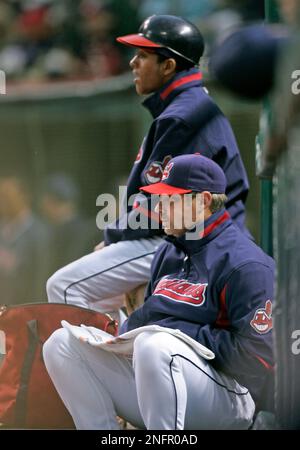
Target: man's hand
point(99, 246)
point(135, 298)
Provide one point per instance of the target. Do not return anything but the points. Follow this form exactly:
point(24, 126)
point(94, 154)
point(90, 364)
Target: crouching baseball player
point(209, 281)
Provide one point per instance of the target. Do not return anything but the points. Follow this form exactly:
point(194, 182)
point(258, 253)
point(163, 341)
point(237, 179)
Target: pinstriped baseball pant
point(165, 386)
point(98, 280)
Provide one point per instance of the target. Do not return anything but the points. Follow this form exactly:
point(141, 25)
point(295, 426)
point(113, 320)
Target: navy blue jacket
point(186, 120)
point(218, 290)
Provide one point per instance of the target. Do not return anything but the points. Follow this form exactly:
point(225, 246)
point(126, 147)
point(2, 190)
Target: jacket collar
point(158, 101)
point(213, 226)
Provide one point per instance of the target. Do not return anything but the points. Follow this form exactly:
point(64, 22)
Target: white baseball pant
point(99, 280)
point(165, 386)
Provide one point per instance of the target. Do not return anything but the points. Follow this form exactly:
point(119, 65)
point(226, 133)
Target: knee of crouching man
point(52, 345)
point(53, 289)
point(150, 348)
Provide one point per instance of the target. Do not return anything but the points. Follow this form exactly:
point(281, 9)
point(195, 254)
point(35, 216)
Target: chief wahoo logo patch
point(262, 321)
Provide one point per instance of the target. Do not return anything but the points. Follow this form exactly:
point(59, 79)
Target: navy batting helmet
point(179, 36)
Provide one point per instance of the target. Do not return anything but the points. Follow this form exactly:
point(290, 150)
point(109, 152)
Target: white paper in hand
point(123, 344)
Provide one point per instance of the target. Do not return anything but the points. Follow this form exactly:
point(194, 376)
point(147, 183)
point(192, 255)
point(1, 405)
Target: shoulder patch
point(139, 155)
point(262, 321)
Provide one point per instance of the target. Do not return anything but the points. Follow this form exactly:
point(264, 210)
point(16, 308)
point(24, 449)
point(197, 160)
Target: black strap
point(21, 398)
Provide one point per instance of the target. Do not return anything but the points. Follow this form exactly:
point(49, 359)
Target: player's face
point(149, 74)
point(179, 213)
point(13, 199)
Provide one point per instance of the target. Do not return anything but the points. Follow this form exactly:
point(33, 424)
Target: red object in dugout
point(28, 398)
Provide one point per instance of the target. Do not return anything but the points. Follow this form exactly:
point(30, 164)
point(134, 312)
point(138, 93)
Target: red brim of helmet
point(136, 40)
point(164, 189)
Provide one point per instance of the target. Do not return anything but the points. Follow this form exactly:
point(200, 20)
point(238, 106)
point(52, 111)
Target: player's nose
point(133, 62)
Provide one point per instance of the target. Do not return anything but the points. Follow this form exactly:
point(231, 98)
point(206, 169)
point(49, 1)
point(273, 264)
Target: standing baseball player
point(217, 289)
point(185, 120)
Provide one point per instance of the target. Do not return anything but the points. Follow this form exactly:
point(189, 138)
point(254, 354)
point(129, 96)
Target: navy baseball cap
point(245, 61)
point(61, 186)
point(189, 173)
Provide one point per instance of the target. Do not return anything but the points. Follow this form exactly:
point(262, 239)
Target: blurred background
point(71, 122)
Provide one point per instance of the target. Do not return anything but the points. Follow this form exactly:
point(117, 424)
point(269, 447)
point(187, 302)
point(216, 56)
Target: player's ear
point(207, 199)
point(169, 66)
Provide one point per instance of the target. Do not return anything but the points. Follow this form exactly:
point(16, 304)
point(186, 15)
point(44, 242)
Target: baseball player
point(185, 120)
point(217, 289)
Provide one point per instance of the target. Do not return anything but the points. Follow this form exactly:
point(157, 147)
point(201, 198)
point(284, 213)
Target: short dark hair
point(181, 63)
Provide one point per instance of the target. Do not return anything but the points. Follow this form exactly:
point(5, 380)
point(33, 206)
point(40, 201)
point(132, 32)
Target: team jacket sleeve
point(244, 343)
point(136, 320)
point(166, 139)
point(223, 149)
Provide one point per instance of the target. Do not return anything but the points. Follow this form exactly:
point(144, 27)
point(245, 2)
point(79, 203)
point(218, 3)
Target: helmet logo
point(156, 170)
point(167, 171)
point(262, 321)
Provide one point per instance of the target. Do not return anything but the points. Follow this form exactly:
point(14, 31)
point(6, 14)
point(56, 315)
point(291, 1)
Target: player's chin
point(168, 231)
point(172, 232)
point(139, 88)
